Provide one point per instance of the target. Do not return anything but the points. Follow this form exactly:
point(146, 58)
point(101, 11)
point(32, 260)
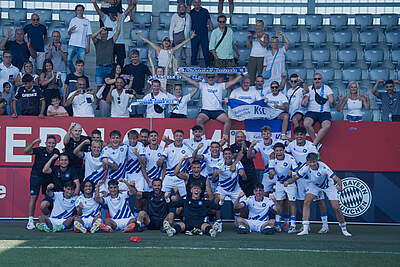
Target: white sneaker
point(95, 226)
point(219, 227)
point(168, 229)
point(323, 230)
point(292, 230)
point(214, 229)
point(30, 225)
point(345, 233)
point(80, 227)
point(304, 232)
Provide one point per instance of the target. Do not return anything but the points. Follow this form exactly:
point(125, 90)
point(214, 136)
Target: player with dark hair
point(144, 136)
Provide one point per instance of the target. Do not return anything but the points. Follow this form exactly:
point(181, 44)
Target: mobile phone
point(84, 91)
point(109, 29)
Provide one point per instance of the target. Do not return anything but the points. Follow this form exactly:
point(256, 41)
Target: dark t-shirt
point(59, 178)
point(75, 161)
point(248, 164)
point(36, 34)
point(104, 52)
point(71, 81)
point(191, 179)
point(30, 100)
point(20, 53)
point(139, 72)
point(156, 207)
point(41, 158)
point(200, 20)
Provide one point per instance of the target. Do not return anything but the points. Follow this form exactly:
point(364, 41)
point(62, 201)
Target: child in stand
point(55, 110)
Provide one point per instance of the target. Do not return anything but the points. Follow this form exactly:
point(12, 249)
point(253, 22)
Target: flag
point(240, 110)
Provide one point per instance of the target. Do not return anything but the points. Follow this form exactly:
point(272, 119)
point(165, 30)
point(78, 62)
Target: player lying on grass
point(195, 210)
point(87, 209)
point(118, 207)
point(322, 179)
point(61, 216)
point(261, 212)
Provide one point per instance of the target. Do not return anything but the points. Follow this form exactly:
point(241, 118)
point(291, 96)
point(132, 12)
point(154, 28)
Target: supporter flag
point(240, 110)
point(253, 129)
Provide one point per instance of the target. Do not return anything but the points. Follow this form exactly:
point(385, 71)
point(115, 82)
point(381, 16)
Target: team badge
point(355, 198)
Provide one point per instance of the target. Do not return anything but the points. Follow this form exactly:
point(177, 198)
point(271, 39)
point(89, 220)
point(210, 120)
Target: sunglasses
point(317, 79)
point(35, 19)
point(221, 21)
point(119, 100)
point(210, 77)
point(274, 87)
point(293, 81)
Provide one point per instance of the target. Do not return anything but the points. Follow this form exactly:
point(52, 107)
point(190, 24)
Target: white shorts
point(138, 179)
point(233, 195)
point(281, 192)
point(255, 225)
point(331, 192)
point(170, 182)
point(38, 61)
point(87, 221)
point(302, 186)
point(268, 183)
point(121, 223)
point(56, 222)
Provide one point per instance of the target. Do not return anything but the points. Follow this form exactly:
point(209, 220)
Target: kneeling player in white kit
point(322, 178)
point(261, 212)
point(118, 206)
point(87, 209)
point(61, 216)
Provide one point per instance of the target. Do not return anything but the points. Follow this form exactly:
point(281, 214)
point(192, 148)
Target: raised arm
point(67, 136)
point(374, 89)
point(132, 188)
point(49, 190)
point(28, 150)
point(192, 82)
point(341, 102)
point(153, 69)
point(287, 42)
point(234, 81)
point(97, 197)
point(47, 166)
point(251, 154)
point(184, 42)
point(98, 10)
point(238, 204)
point(94, 35)
point(283, 81)
point(129, 9)
point(118, 30)
point(365, 100)
point(4, 41)
point(153, 45)
point(77, 150)
point(195, 155)
point(177, 171)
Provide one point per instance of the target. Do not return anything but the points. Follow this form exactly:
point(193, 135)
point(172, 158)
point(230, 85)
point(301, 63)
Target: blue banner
point(240, 110)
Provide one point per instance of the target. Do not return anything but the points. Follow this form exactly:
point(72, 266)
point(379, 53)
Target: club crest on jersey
point(355, 198)
point(304, 150)
point(183, 151)
point(285, 164)
point(121, 149)
point(264, 205)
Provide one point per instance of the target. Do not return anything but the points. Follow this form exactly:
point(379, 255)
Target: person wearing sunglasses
point(82, 100)
point(37, 34)
point(119, 98)
point(295, 94)
point(390, 100)
point(319, 101)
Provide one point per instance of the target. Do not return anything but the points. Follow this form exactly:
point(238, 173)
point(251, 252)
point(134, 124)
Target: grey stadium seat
point(351, 74)
point(244, 56)
point(327, 73)
point(367, 115)
point(161, 34)
point(293, 37)
point(241, 37)
point(142, 20)
point(193, 111)
point(377, 74)
point(165, 19)
point(65, 16)
point(295, 56)
point(395, 56)
point(289, 21)
point(136, 41)
point(342, 38)
point(302, 72)
point(364, 21)
point(347, 56)
point(45, 15)
point(267, 18)
point(321, 56)
point(389, 21)
point(314, 21)
point(338, 21)
point(240, 21)
point(317, 38)
point(214, 19)
point(17, 16)
point(374, 57)
point(337, 116)
point(393, 39)
point(368, 39)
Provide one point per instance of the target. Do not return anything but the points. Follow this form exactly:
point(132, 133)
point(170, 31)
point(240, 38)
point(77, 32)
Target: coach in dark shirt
point(31, 98)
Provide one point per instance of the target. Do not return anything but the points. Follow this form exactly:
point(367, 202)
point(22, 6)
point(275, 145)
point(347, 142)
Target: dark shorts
point(298, 113)
point(318, 116)
point(212, 114)
point(37, 181)
point(225, 63)
point(179, 116)
point(155, 223)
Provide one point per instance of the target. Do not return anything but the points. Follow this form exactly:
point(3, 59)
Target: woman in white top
point(180, 110)
point(165, 49)
point(355, 102)
point(258, 42)
point(26, 69)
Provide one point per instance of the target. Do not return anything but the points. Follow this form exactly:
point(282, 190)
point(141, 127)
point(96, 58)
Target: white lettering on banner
point(168, 133)
point(3, 191)
point(11, 143)
point(46, 131)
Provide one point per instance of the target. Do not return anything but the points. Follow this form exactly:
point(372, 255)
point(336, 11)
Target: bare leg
point(338, 211)
point(325, 125)
point(306, 208)
point(32, 205)
point(308, 124)
point(44, 207)
point(202, 119)
point(296, 120)
point(231, 7)
point(110, 223)
point(220, 6)
point(226, 121)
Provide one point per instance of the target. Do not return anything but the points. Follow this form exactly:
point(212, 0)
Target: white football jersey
point(258, 210)
point(282, 167)
point(152, 156)
point(193, 144)
point(132, 161)
point(228, 180)
point(119, 206)
point(91, 208)
point(63, 208)
point(300, 152)
point(322, 177)
point(173, 155)
point(117, 156)
point(93, 168)
point(264, 150)
point(210, 163)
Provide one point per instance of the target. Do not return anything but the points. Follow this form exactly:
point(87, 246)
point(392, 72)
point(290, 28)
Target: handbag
point(179, 37)
point(318, 98)
point(157, 107)
point(219, 42)
point(268, 73)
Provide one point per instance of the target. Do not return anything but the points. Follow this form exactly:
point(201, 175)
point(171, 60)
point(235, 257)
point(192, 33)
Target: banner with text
point(240, 110)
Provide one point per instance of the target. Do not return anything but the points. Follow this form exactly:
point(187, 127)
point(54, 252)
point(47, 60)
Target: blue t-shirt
point(36, 34)
point(199, 20)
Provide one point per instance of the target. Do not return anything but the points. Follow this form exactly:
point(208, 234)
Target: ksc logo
point(355, 198)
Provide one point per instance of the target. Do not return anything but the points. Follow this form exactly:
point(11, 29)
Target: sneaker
point(59, 228)
point(219, 227)
point(106, 228)
point(95, 226)
point(30, 225)
point(268, 230)
point(277, 228)
point(188, 233)
point(168, 228)
point(80, 227)
point(302, 228)
point(292, 230)
point(140, 228)
point(345, 233)
point(304, 232)
point(286, 227)
point(323, 230)
point(43, 227)
point(197, 231)
point(129, 228)
point(214, 229)
point(243, 230)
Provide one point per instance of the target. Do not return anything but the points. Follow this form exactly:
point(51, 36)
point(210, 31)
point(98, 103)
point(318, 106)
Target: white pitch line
point(198, 248)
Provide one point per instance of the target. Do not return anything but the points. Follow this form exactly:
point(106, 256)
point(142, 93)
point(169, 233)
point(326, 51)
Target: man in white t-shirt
point(259, 86)
point(245, 93)
point(211, 98)
point(155, 110)
point(82, 100)
point(119, 99)
point(318, 111)
point(8, 72)
point(80, 31)
point(295, 95)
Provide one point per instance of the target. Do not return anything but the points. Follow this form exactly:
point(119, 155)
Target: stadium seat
point(337, 116)
point(377, 74)
point(398, 75)
point(244, 56)
point(241, 38)
point(294, 38)
point(338, 21)
point(45, 15)
point(393, 39)
point(295, 56)
point(327, 73)
point(136, 41)
point(389, 22)
point(335, 91)
point(351, 74)
point(364, 21)
point(289, 21)
point(193, 111)
point(17, 16)
point(317, 38)
point(367, 115)
point(368, 39)
point(240, 21)
point(142, 20)
point(214, 19)
point(342, 39)
point(161, 34)
point(314, 21)
point(321, 57)
point(65, 16)
point(267, 18)
point(395, 56)
point(302, 72)
point(165, 19)
point(347, 56)
point(374, 57)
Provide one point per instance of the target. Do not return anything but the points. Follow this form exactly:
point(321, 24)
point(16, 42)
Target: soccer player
point(38, 178)
point(64, 207)
point(195, 210)
point(300, 148)
point(261, 212)
point(144, 137)
point(152, 153)
point(87, 209)
point(322, 178)
point(172, 154)
point(118, 206)
point(281, 168)
point(135, 162)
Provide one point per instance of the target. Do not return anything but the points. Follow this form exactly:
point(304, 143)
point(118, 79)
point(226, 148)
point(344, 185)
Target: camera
point(109, 29)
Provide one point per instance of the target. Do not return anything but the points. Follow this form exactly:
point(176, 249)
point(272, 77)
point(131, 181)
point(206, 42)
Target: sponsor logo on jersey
point(355, 198)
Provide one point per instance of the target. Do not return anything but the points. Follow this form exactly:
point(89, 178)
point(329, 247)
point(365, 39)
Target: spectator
point(319, 99)
point(119, 99)
point(355, 102)
point(139, 72)
point(32, 101)
point(180, 110)
point(7, 71)
point(3, 106)
point(245, 92)
point(390, 100)
point(223, 44)
point(258, 42)
point(7, 97)
point(55, 110)
point(50, 82)
point(298, 88)
point(82, 100)
point(211, 95)
point(20, 50)
point(259, 86)
point(132, 3)
point(274, 60)
point(111, 21)
point(159, 71)
point(72, 78)
point(221, 7)
point(57, 53)
point(79, 43)
point(200, 18)
point(37, 34)
point(179, 31)
point(156, 110)
point(26, 69)
point(104, 52)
